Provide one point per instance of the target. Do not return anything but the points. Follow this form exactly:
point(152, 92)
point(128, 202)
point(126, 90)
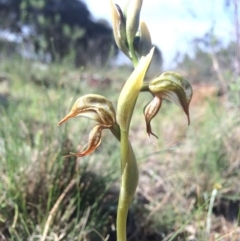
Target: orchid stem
point(134, 57)
point(122, 219)
point(129, 181)
point(129, 172)
point(145, 87)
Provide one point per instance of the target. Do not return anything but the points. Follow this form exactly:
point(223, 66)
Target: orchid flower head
point(170, 86)
point(97, 108)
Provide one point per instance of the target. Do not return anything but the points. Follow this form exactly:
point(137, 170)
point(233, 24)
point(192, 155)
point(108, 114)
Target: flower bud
point(132, 19)
point(145, 42)
point(119, 28)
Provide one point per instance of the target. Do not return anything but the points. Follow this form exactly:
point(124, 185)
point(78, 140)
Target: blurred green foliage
point(53, 29)
point(198, 63)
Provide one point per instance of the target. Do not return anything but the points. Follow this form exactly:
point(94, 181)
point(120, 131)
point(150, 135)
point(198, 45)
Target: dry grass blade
point(55, 208)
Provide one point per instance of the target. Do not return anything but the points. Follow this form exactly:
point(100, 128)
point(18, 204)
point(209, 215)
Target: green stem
point(129, 180)
point(121, 221)
point(145, 87)
point(134, 57)
point(129, 169)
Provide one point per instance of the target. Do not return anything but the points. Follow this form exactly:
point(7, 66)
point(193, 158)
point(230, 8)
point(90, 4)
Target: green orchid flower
point(97, 108)
point(119, 28)
point(170, 86)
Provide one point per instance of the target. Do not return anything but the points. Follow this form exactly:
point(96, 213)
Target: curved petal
point(172, 86)
point(150, 110)
point(94, 141)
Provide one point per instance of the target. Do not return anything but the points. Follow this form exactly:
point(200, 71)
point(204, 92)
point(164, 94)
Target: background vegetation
point(189, 177)
point(51, 30)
